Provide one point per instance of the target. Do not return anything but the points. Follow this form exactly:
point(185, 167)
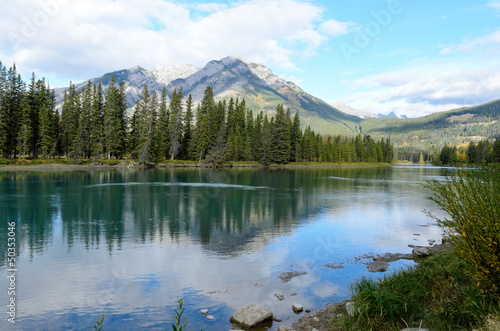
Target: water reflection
point(130, 242)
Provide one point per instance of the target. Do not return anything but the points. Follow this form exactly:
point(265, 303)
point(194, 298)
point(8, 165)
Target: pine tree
point(205, 125)
point(175, 123)
point(163, 126)
point(146, 116)
point(295, 138)
point(281, 137)
point(114, 119)
point(97, 121)
point(25, 131)
point(188, 129)
point(69, 121)
point(266, 142)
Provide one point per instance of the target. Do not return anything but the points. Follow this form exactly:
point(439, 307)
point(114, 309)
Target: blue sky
point(407, 56)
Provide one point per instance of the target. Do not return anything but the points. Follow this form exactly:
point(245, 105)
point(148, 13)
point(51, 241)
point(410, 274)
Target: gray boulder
point(421, 251)
point(251, 315)
point(377, 266)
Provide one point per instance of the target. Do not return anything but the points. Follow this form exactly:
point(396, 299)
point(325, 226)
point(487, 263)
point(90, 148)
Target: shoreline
point(133, 165)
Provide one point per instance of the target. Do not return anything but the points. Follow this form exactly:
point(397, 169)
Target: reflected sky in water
point(129, 243)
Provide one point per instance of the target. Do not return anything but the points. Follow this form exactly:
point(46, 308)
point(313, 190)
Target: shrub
point(472, 201)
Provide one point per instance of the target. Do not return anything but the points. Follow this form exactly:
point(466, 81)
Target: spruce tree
point(281, 137)
point(187, 130)
point(175, 123)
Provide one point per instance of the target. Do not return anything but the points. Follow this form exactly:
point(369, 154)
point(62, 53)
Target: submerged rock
point(287, 276)
point(279, 296)
point(251, 315)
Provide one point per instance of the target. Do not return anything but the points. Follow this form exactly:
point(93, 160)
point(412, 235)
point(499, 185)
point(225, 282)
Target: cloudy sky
point(407, 56)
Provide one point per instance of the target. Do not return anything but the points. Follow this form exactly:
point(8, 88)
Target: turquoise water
point(129, 243)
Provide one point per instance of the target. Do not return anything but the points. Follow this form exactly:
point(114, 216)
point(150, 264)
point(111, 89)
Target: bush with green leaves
point(472, 201)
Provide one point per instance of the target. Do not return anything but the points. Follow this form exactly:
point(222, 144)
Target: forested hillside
point(92, 123)
point(456, 127)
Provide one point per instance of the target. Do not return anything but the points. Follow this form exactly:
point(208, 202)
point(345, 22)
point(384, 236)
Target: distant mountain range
point(233, 77)
point(263, 91)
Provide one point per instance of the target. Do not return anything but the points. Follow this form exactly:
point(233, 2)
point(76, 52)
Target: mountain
point(453, 127)
point(233, 77)
point(391, 114)
point(350, 110)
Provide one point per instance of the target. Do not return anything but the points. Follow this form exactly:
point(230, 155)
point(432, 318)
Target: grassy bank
point(175, 163)
point(438, 293)
point(457, 290)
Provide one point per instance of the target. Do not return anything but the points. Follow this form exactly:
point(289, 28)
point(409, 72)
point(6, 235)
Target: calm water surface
point(129, 243)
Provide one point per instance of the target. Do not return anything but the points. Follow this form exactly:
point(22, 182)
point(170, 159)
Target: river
point(130, 242)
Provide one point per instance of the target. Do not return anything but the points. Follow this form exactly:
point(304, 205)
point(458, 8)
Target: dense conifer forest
point(95, 124)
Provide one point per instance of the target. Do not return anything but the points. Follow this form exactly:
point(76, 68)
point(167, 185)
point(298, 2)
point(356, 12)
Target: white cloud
point(426, 88)
point(83, 38)
point(491, 41)
point(494, 3)
point(336, 28)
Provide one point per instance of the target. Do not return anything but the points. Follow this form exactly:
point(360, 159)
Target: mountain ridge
point(232, 77)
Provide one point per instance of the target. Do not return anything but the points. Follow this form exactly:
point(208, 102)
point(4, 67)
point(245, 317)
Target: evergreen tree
point(69, 121)
point(281, 137)
point(295, 138)
point(97, 121)
point(163, 125)
point(114, 119)
point(266, 141)
point(146, 116)
point(175, 123)
point(83, 146)
point(205, 125)
point(188, 130)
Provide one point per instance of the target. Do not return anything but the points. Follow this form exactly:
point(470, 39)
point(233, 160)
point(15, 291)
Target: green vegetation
point(437, 293)
point(451, 291)
point(472, 200)
point(98, 325)
point(456, 127)
point(93, 124)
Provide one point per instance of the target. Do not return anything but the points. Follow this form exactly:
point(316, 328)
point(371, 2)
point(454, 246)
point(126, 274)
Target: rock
point(293, 294)
point(377, 266)
point(334, 266)
point(297, 308)
point(285, 328)
point(308, 310)
point(314, 329)
point(315, 319)
point(204, 311)
point(277, 319)
point(287, 276)
point(210, 317)
point(250, 315)
point(431, 241)
point(421, 251)
point(414, 329)
point(279, 296)
point(351, 309)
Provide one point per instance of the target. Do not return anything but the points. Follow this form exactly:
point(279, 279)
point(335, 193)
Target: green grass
point(437, 294)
